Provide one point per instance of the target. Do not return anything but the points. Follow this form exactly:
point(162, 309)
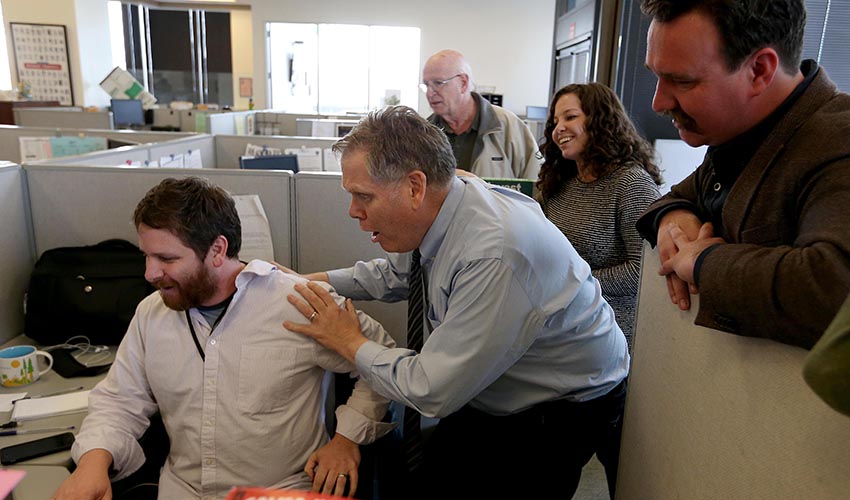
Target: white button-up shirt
point(251, 414)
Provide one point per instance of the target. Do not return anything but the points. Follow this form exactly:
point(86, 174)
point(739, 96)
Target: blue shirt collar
point(437, 232)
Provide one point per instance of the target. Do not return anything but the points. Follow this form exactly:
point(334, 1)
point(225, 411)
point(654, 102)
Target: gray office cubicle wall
point(16, 249)
point(714, 415)
point(115, 157)
point(324, 127)
point(270, 122)
point(63, 117)
point(327, 238)
point(209, 122)
point(220, 151)
point(229, 122)
point(228, 148)
point(10, 147)
point(193, 120)
point(154, 153)
point(83, 205)
point(205, 143)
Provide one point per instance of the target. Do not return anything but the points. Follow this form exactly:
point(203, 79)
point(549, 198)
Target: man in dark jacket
point(762, 228)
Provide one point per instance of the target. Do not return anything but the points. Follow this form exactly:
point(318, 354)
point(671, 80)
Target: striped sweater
point(599, 220)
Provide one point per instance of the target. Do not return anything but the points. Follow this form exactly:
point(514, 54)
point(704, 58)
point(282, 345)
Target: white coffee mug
point(19, 365)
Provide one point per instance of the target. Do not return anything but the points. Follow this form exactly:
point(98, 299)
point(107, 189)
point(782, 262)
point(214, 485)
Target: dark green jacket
point(827, 367)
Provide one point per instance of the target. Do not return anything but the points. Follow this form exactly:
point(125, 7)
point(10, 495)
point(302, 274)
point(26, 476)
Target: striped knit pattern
point(599, 220)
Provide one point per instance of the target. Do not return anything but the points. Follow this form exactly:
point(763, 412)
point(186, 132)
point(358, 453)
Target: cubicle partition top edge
point(229, 148)
point(63, 117)
point(153, 153)
point(10, 137)
point(97, 202)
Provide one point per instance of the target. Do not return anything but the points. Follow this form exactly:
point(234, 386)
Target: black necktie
point(412, 432)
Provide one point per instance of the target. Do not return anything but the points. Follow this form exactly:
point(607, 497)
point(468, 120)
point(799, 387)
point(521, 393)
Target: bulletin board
point(41, 58)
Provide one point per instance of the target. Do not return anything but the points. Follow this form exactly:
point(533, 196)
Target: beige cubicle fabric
point(711, 415)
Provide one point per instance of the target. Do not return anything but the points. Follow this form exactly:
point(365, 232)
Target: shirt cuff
point(359, 428)
point(123, 464)
point(365, 356)
point(698, 263)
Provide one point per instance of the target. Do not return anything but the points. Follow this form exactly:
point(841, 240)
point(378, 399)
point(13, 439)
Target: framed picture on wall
point(246, 87)
point(41, 58)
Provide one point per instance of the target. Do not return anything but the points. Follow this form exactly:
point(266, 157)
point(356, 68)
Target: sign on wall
point(41, 57)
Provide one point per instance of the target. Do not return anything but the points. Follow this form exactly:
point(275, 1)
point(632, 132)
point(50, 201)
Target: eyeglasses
point(436, 85)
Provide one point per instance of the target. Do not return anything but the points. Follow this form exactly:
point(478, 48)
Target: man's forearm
point(320, 276)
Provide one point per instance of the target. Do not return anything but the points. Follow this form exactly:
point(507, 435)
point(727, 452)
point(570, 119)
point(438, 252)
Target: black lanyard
point(215, 324)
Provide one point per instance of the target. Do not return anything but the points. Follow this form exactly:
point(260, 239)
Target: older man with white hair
point(487, 140)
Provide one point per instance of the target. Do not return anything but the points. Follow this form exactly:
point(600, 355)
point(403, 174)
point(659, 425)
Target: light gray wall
point(508, 43)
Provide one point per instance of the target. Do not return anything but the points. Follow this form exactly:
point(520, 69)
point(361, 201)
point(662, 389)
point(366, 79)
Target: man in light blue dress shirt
point(522, 359)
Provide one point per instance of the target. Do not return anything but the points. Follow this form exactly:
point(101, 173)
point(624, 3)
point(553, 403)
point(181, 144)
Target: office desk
point(45, 468)
point(40, 482)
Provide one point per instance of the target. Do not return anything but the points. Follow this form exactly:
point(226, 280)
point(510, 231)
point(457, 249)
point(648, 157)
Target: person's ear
point(417, 185)
point(218, 251)
point(763, 66)
point(464, 86)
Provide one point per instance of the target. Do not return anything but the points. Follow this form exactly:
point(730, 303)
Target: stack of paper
point(29, 409)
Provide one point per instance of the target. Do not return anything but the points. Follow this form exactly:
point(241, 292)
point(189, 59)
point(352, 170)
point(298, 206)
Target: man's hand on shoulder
point(90, 480)
point(334, 327)
point(333, 467)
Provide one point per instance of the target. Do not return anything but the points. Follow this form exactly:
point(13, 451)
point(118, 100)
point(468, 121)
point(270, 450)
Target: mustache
point(681, 118)
point(162, 283)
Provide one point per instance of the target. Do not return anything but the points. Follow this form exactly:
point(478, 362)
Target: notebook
point(29, 409)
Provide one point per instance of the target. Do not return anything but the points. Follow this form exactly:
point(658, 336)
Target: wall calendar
point(41, 57)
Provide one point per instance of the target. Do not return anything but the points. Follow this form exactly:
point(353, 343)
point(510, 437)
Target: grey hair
point(398, 141)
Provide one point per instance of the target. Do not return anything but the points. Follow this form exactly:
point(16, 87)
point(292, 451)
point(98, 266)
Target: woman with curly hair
point(598, 176)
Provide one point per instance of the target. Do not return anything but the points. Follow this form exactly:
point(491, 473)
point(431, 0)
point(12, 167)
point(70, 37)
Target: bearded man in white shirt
point(241, 400)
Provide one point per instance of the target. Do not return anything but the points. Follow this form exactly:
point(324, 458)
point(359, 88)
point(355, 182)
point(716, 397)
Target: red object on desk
point(9, 479)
